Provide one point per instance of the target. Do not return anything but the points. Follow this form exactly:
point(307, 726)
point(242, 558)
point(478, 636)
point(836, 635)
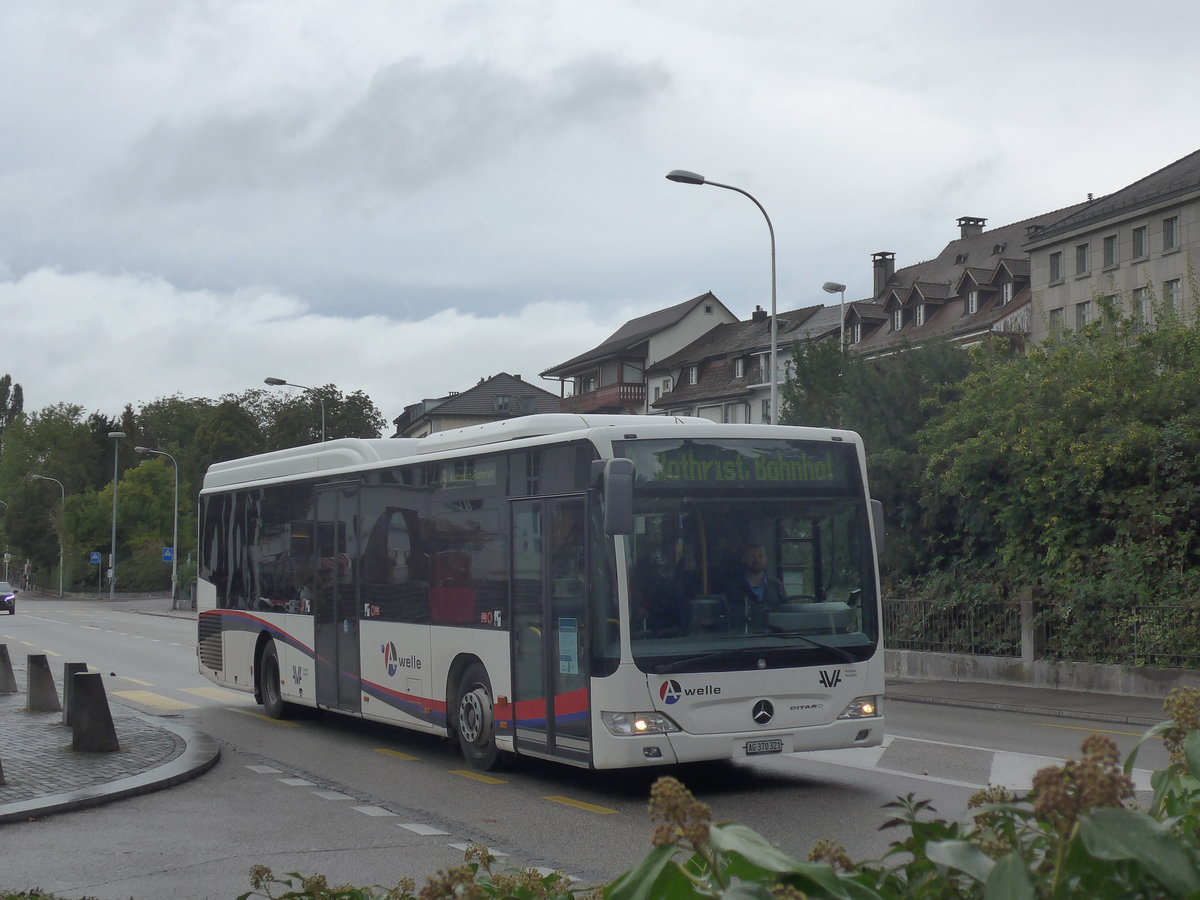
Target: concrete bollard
point(41, 695)
point(92, 727)
point(8, 679)
point(69, 671)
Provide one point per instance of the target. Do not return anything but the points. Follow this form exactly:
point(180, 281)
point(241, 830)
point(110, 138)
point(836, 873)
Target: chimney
point(885, 268)
point(759, 315)
point(969, 226)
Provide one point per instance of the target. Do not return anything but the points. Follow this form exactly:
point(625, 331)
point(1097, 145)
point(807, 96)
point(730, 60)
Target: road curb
point(1088, 715)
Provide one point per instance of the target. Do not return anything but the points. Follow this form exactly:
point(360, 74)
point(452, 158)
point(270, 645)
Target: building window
point(766, 410)
point(1110, 251)
point(666, 385)
point(739, 367)
point(1139, 242)
point(693, 374)
point(897, 319)
point(972, 302)
point(1082, 266)
point(1056, 266)
point(1083, 313)
point(856, 333)
point(1140, 313)
point(657, 393)
point(708, 308)
point(1006, 292)
point(920, 314)
point(1172, 293)
point(1170, 233)
point(1056, 321)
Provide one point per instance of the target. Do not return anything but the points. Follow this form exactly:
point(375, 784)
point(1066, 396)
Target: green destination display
point(734, 463)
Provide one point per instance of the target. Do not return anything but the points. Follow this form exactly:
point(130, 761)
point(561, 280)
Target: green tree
point(295, 420)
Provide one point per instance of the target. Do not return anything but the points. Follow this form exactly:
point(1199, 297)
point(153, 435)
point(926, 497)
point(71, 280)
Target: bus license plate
point(774, 745)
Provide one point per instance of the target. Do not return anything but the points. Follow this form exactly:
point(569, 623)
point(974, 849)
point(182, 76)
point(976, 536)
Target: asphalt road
point(364, 803)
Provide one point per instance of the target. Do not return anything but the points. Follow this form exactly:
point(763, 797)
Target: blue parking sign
point(168, 554)
point(95, 556)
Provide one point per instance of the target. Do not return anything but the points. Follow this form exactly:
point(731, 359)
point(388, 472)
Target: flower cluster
point(830, 851)
point(680, 817)
point(1061, 795)
point(1183, 708)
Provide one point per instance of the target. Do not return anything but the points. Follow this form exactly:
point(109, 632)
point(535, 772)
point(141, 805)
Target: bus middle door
point(550, 662)
point(336, 596)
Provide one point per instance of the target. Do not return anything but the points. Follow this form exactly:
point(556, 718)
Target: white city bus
point(554, 586)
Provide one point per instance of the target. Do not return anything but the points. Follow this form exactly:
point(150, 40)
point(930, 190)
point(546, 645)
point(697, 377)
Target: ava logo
point(391, 659)
point(670, 692)
point(831, 679)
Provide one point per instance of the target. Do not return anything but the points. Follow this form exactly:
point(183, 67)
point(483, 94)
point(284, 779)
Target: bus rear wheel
point(268, 683)
point(474, 720)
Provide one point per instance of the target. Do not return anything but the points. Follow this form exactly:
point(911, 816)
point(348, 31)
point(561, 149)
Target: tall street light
point(832, 287)
point(685, 177)
point(175, 529)
point(60, 527)
point(117, 436)
point(276, 382)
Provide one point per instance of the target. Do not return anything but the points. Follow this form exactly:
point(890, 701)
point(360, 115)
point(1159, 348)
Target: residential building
point(976, 289)
point(611, 378)
point(1136, 247)
point(724, 374)
point(502, 396)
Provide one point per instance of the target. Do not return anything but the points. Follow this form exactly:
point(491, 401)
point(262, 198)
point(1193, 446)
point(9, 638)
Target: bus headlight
point(861, 708)
point(632, 723)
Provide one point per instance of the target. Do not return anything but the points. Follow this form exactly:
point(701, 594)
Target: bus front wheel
point(475, 723)
point(268, 683)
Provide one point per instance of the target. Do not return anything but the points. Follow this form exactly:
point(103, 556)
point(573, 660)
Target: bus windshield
point(749, 554)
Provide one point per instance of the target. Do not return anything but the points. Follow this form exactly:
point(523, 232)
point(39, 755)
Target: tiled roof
point(716, 384)
point(737, 337)
point(481, 399)
point(632, 333)
point(1180, 177)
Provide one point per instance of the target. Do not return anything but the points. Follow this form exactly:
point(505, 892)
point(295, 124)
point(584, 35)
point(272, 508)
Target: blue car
point(8, 598)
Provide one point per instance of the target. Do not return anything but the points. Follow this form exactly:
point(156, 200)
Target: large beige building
point(1138, 246)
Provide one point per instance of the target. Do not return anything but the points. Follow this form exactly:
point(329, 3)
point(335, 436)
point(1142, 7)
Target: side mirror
point(877, 525)
point(617, 491)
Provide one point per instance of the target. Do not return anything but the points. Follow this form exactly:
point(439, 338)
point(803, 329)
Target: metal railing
point(991, 630)
point(1161, 636)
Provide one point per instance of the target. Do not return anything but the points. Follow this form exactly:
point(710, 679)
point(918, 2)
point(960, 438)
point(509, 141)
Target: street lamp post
point(685, 177)
point(832, 287)
point(276, 382)
point(117, 436)
point(60, 527)
point(175, 527)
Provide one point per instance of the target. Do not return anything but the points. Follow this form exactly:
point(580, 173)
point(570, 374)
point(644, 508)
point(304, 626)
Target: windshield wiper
point(664, 668)
point(843, 655)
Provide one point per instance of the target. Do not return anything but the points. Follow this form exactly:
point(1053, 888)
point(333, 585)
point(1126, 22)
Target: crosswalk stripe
point(157, 701)
point(219, 693)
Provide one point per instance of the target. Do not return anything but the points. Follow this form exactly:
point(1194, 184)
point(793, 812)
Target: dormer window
point(856, 333)
point(972, 302)
point(739, 367)
point(1006, 292)
point(693, 374)
point(897, 319)
point(920, 314)
point(960, 258)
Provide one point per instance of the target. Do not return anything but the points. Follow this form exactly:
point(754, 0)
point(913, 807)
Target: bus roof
point(346, 453)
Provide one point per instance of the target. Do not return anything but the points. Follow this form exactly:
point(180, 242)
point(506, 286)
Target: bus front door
point(550, 662)
point(335, 592)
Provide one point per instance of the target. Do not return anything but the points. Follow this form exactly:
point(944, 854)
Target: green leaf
point(962, 856)
point(1151, 734)
point(1009, 880)
point(656, 877)
point(751, 857)
point(1191, 751)
point(1115, 834)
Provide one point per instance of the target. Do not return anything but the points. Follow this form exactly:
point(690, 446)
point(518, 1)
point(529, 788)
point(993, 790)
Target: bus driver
point(754, 591)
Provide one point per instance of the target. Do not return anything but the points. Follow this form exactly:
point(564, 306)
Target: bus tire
point(474, 719)
point(268, 683)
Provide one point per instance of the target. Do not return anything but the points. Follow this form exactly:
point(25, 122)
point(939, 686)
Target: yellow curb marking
point(219, 693)
point(396, 753)
point(475, 776)
point(149, 698)
point(1094, 730)
point(257, 715)
point(51, 653)
point(579, 804)
point(136, 681)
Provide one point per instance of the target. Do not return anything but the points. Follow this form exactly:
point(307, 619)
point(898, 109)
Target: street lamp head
point(683, 176)
point(116, 434)
point(832, 287)
point(274, 382)
point(33, 477)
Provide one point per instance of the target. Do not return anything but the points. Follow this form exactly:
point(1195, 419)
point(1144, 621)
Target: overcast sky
point(404, 197)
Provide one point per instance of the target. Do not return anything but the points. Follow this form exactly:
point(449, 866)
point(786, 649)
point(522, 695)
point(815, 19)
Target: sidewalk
point(43, 775)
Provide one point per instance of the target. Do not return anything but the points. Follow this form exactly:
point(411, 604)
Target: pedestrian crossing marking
point(579, 804)
point(257, 715)
point(475, 776)
point(224, 695)
point(136, 681)
point(151, 699)
point(395, 753)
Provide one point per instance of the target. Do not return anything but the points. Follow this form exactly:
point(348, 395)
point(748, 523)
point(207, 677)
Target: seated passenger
point(754, 591)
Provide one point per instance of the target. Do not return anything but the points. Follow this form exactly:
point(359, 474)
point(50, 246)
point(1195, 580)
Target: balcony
point(611, 397)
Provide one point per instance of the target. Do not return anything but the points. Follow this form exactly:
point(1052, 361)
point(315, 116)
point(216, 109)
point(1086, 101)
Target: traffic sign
point(168, 554)
point(94, 556)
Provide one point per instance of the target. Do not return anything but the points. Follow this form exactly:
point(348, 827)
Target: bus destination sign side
point(688, 466)
point(734, 463)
